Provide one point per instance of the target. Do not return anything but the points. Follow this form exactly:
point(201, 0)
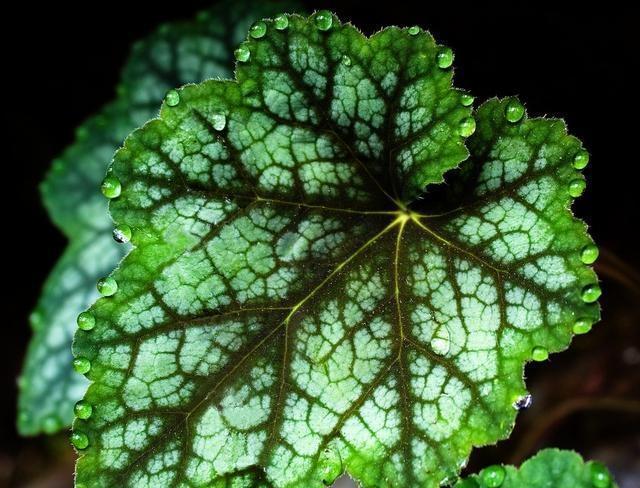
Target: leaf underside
point(176, 54)
point(291, 310)
point(549, 468)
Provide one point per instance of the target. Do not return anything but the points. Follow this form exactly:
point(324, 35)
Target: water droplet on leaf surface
point(258, 30)
point(600, 477)
point(576, 188)
point(514, 110)
point(591, 293)
point(79, 440)
point(242, 54)
point(111, 187)
point(172, 98)
point(493, 476)
point(581, 160)
point(467, 127)
point(86, 321)
point(281, 22)
point(466, 100)
point(324, 20)
point(82, 365)
point(107, 286)
point(414, 30)
point(589, 254)
point(539, 353)
point(83, 410)
point(582, 326)
point(445, 57)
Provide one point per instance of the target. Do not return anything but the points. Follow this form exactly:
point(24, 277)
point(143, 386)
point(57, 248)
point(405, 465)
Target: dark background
point(62, 63)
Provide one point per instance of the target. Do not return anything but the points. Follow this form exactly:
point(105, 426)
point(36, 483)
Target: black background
point(62, 64)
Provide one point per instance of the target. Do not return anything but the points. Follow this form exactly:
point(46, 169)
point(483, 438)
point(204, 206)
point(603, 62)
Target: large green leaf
point(287, 308)
point(176, 54)
point(550, 468)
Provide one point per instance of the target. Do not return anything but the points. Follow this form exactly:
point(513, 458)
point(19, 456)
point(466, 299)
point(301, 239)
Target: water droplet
point(589, 254)
point(86, 321)
point(523, 402)
point(514, 110)
point(83, 410)
point(107, 286)
point(591, 293)
point(466, 100)
point(576, 188)
point(581, 159)
point(346, 60)
point(493, 476)
point(81, 365)
point(467, 127)
point(329, 465)
point(414, 30)
point(50, 425)
point(242, 54)
point(324, 20)
point(281, 22)
point(258, 30)
point(111, 187)
point(539, 353)
point(122, 233)
point(79, 440)
point(582, 326)
point(600, 477)
point(445, 57)
point(172, 98)
point(218, 121)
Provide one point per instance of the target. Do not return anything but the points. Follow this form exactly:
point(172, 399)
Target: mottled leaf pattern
point(176, 54)
point(550, 468)
point(292, 308)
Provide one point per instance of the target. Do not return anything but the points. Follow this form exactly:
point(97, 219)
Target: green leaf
point(550, 468)
point(290, 305)
point(176, 54)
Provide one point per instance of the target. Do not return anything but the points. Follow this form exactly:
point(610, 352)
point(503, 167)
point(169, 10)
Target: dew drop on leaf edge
point(107, 286)
point(414, 30)
point(591, 293)
point(467, 126)
point(111, 187)
point(172, 98)
point(466, 100)
point(589, 254)
point(83, 410)
point(324, 20)
point(514, 111)
point(281, 22)
point(86, 321)
point(581, 159)
point(539, 353)
point(242, 54)
point(122, 234)
point(258, 29)
point(493, 476)
point(79, 440)
point(82, 365)
point(445, 58)
point(582, 326)
point(600, 477)
point(577, 187)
